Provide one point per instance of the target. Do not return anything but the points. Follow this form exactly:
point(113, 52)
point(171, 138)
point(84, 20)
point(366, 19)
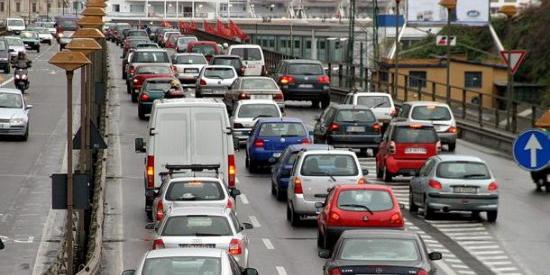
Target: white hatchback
point(247, 113)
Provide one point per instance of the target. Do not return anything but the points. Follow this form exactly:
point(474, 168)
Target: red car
point(360, 206)
point(171, 41)
point(405, 148)
point(207, 48)
point(145, 72)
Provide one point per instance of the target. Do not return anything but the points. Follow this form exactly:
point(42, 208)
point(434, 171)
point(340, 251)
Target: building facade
point(520, 4)
point(34, 9)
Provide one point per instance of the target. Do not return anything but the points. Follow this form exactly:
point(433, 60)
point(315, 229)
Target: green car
point(31, 40)
point(156, 88)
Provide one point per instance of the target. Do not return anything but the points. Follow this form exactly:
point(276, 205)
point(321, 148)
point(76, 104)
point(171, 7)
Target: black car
point(379, 252)
point(348, 126)
point(231, 60)
point(4, 56)
point(305, 80)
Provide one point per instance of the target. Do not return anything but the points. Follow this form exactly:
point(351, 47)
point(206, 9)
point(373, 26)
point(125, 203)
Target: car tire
point(315, 104)
point(492, 216)
point(320, 239)
point(388, 176)
point(364, 153)
point(325, 101)
point(38, 49)
point(428, 211)
point(7, 70)
point(25, 137)
point(413, 208)
point(49, 43)
point(374, 152)
point(379, 173)
point(475, 216)
point(451, 147)
point(141, 112)
point(547, 187)
point(287, 212)
point(281, 196)
point(149, 214)
point(294, 218)
point(128, 90)
point(134, 96)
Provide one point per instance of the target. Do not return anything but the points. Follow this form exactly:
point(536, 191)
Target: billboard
point(429, 12)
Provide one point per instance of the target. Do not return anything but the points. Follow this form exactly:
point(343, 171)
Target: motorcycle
point(21, 79)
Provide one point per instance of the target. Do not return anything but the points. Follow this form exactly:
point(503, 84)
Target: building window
point(33, 7)
point(116, 7)
point(472, 79)
point(1, 6)
point(383, 76)
point(417, 79)
point(18, 7)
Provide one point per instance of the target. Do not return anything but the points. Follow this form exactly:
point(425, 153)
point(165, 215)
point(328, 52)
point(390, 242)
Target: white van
point(252, 57)
point(186, 131)
point(15, 25)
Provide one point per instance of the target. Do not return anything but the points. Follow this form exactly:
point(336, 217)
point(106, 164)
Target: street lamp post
point(396, 57)
point(509, 11)
point(449, 5)
point(69, 61)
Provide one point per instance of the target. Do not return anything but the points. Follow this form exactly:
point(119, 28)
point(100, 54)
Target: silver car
point(183, 41)
point(188, 66)
point(15, 45)
point(14, 114)
point(196, 261)
point(214, 80)
point(247, 113)
point(381, 104)
point(454, 182)
point(204, 227)
point(314, 172)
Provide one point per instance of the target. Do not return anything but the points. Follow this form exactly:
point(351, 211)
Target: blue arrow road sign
point(532, 150)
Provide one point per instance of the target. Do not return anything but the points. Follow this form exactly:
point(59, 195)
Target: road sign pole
point(509, 93)
point(69, 228)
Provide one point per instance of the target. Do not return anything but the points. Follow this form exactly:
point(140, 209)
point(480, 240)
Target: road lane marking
point(268, 244)
point(280, 270)
point(443, 266)
point(6, 81)
point(254, 221)
point(244, 199)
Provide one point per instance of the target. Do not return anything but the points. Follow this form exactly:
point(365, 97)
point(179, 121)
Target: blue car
point(270, 136)
point(280, 171)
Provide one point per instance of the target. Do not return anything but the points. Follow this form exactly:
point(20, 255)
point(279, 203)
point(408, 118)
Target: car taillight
point(392, 111)
point(421, 272)
point(396, 219)
point(259, 143)
point(493, 186)
point(174, 69)
point(391, 149)
point(242, 69)
point(202, 82)
point(362, 180)
point(131, 69)
point(287, 79)
point(232, 171)
point(159, 215)
point(377, 127)
point(333, 127)
point(230, 203)
point(333, 217)
point(452, 130)
point(298, 186)
point(144, 97)
point(158, 244)
point(335, 271)
point(435, 184)
point(324, 79)
point(278, 96)
point(235, 247)
point(244, 96)
point(438, 146)
point(305, 141)
point(150, 170)
point(237, 125)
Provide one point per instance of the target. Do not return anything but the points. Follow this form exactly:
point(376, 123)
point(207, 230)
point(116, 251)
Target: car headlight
point(16, 76)
point(24, 76)
point(18, 121)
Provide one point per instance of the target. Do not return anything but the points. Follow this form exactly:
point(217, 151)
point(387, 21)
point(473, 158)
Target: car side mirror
point(1, 244)
point(250, 271)
point(247, 225)
point(128, 272)
point(324, 253)
point(139, 145)
point(285, 173)
point(365, 171)
point(435, 256)
point(318, 118)
point(319, 204)
point(402, 206)
point(28, 107)
point(151, 194)
point(235, 192)
point(151, 225)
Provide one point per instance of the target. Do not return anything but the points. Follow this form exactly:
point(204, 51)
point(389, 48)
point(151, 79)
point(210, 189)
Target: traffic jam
point(207, 106)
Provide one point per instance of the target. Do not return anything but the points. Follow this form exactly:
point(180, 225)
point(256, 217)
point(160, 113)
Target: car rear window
point(157, 85)
point(407, 134)
point(463, 170)
point(150, 57)
point(204, 49)
point(258, 110)
point(195, 190)
point(258, 83)
point(29, 35)
point(182, 265)
point(380, 250)
point(374, 101)
point(185, 40)
point(224, 73)
point(431, 112)
point(329, 165)
point(197, 226)
point(137, 33)
point(354, 116)
point(14, 42)
point(247, 54)
point(154, 70)
point(282, 129)
point(235, 62)
point(364, 200)
point(305, 69)
point(190, 59)
point(133, 42)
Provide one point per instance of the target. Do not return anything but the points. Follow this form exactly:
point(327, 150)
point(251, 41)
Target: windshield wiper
point(378, 105)
point(474, 175)
point(358, 206)
point(258, 116)
point(349, 121)
point(329, 175)
point(207, 234)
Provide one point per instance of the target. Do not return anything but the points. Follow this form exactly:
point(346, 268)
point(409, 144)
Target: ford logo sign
point(473, 13)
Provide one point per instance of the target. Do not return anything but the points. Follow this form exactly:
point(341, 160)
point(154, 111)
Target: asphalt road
point(518, 243)
point(27, 224)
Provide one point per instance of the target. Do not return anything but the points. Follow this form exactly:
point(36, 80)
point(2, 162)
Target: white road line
point(490, 252)
point(6, 81)
point(476, 242)
point(500, 269)
point(456, 234)
point(268, 244)
point(441, 224)
point(482, 247)
point(443, 266)
point(254, 221)
point(280, 270)
point(244, 199)
point(499, 263)
point(466, 272)
point(468, 238)
point(463, 229)
point(459, 266)
point(488, 258)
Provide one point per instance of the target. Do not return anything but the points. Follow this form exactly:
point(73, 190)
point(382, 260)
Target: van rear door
point(253, 59)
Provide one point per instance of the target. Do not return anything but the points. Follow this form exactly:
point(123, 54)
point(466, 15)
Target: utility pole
point(396, 57)
point(351, 33)
point(375, 30)
point(449, 5)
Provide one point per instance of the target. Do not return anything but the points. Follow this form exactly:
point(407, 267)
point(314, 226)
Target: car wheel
point(325, 102)
point(49, 43)
point(320, 239)
point(315, 104)
point(7, 70)
point(123, 75)
point(374, 152)
point(288, 212)
point(364, 152)
point(412, 207)
point(25, 137)
point(247, 161)
point(452, 147)
point(379, 173)
point(128, 90)
point(492, 216)
point(273, 190)
point(475, 215)
point(547, 187)
point(428, 211)
point(294, 218)
point(281, 196)
point(134, 96)
point(141, 112)
point(388, 176)
point(38, 49)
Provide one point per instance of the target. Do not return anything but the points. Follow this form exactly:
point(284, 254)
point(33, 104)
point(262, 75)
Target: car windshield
point(359, 200)
point(150, 57)
point(197, 226)
point(204, 49)
point(157, 85)
point(248, 54)
point(224, 73)
point(282, 129)
point(14, 42)
point(415, 135)
point(29, 35)
point(182, 265)
point(329, 165)
point(235, 62)
point(153, 70)
point(258, 84)
point(147, 45)
point(258, 110)
point(355, 116)
point(137, 33)
point(387, 250)
point(374, 101)
point(185, 40)
point(431, 112)
point(195, 190)
point(134, 42)
point(190, 59)
point(9, 100)
point(16, 22)
point(463, 170)
point(305, 69)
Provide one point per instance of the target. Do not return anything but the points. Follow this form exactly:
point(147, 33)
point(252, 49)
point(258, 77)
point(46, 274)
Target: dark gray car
point(4, 56)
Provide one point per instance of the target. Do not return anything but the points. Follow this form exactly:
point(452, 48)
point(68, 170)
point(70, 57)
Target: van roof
point(188, 102)
point(245, 46)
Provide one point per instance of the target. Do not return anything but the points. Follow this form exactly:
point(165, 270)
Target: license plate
point(276, 155)
point(356, 129)
point(191, 70)
point(4, 126)
point(464, 189)
point(197, 245)
point(305, 85)
point(414, 150)
point(260, 96)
